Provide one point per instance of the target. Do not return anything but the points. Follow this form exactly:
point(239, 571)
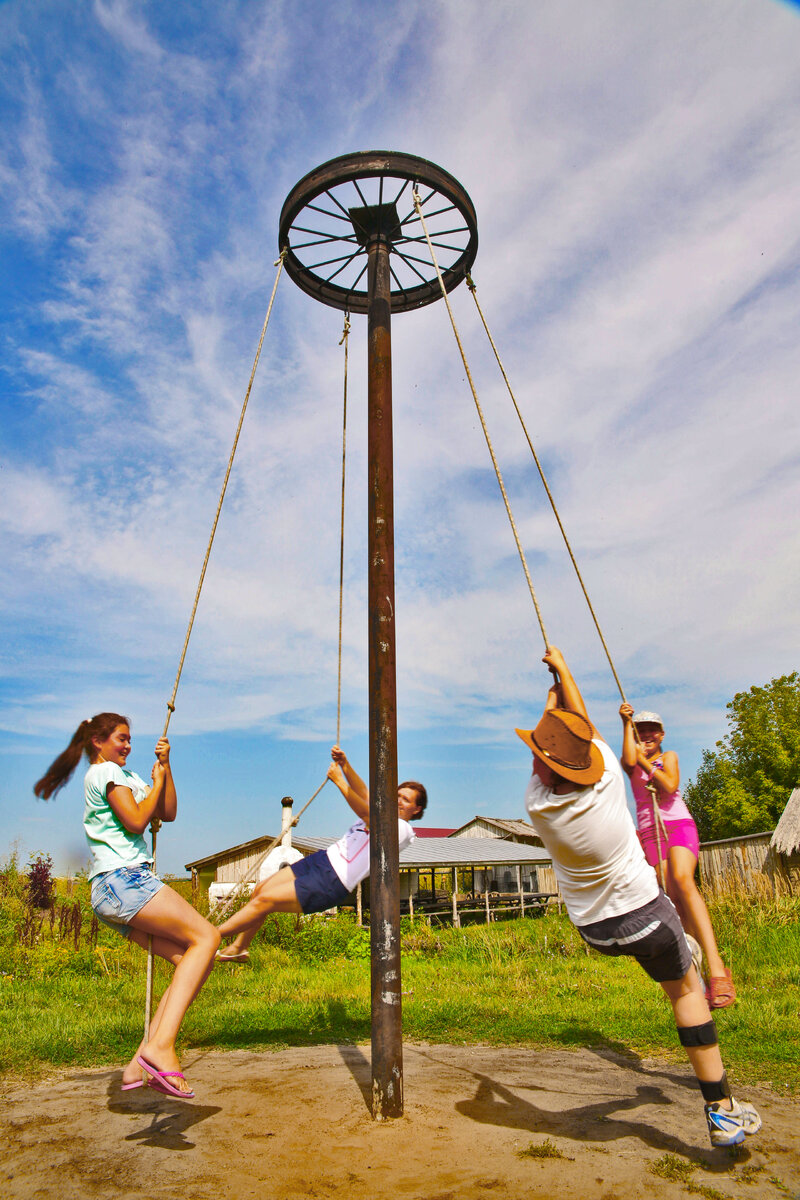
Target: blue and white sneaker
point(728, 1127)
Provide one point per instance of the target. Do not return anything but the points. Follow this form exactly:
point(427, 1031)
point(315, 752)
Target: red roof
point(428, 832)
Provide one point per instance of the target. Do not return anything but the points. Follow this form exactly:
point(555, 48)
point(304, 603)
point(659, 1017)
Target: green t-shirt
point(110, 843)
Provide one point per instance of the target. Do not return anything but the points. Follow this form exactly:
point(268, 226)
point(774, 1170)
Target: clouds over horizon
point(637, 183)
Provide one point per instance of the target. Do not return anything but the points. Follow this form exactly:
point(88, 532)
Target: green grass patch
point(670, 1166)
point(531, 982)
point(545, 1149)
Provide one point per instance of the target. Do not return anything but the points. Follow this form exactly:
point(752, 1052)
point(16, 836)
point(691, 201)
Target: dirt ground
point(296, 1123)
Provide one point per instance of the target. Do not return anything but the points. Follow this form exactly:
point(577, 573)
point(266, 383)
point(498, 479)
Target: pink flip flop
point(160, 1080)
point(128, 1087)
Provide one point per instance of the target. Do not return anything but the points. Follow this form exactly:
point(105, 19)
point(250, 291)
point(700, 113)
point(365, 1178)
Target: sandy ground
point(296, 1123)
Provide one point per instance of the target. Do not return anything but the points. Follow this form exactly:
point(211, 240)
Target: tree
point(744, 784)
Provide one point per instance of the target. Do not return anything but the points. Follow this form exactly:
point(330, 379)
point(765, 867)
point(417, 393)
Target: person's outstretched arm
point(351, 775)
point(358, 800)
point(571, 698)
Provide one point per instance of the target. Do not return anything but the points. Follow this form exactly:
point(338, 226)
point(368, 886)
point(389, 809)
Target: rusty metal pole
point(387, 1036)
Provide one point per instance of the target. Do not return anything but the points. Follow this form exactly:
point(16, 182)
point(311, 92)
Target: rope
point(220, 912)
point(171, 702)
point(652, 789)
point(521, 552)
point(473, 289)
point(155, 824)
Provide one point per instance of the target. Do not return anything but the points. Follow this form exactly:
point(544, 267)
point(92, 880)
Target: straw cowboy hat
point(563, 740)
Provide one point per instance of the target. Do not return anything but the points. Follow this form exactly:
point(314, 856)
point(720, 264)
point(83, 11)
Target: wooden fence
point(748, 864)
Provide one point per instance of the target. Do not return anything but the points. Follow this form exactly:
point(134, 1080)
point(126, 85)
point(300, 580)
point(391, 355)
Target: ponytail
point(60, 771)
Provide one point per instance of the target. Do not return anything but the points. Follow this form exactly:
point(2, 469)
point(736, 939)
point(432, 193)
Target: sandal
point(720, 991)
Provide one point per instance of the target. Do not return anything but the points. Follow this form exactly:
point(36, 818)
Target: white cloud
point(636, 186)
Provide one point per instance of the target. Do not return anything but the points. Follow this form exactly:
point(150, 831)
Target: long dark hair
point(59, 772)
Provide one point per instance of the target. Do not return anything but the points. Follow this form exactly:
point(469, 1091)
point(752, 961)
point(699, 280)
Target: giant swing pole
point(352, 239)
point(387, 1037)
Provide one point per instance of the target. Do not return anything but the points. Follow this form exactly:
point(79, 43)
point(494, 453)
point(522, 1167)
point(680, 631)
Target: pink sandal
point(720, 992)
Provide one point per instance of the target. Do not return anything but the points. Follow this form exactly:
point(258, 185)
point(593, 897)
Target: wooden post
point(521, 895)
point(486, 894)
point(410, 902)
point(456, 918)
point(359, 906)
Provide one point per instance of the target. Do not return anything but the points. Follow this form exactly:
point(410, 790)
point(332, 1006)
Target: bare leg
point(690, 1008)
point(172, 952)
point(276, 894)
point(169, 917)
point(691, 906)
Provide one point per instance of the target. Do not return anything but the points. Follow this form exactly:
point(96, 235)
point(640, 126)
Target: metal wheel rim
point(340, 278)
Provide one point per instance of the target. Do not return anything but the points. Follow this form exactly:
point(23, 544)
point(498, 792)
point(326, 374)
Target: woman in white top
point(125, 892)
point(325, 879)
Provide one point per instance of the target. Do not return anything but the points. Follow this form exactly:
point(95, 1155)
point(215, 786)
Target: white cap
point(648, 718)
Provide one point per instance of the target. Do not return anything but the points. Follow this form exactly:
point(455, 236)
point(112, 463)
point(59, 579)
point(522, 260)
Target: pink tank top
point(671, 806)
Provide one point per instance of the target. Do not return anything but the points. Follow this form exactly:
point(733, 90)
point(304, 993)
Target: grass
point(545, 1149)
point(530, 982)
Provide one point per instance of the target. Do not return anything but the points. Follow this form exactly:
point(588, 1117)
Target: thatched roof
point(786, 838)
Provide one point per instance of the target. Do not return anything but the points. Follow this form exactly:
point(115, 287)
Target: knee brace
point(698, 1035)
point(714, 1092)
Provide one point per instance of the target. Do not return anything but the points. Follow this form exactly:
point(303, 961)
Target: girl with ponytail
point(126, 894)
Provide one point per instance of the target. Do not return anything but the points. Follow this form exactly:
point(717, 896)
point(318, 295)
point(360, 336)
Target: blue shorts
point(117, 896)
point(652, 934)
point(317, 885)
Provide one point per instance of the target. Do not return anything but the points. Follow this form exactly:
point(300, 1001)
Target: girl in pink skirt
point(675, 836)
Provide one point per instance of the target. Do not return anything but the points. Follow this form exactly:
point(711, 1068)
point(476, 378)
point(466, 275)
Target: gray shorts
point(652, 934)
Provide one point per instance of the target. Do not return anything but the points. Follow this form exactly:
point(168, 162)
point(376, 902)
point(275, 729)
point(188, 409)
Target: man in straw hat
point(577, 804)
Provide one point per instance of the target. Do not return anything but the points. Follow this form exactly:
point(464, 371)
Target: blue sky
point(636, 175)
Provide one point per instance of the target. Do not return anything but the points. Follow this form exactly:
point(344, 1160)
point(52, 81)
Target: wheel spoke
point(327, 262)
point(361, 194)
point(406, 182)
point(339, 205)
point(410, 265)
point(420, 237)
point(397, 281)
point(323, 241)
point(336, 216)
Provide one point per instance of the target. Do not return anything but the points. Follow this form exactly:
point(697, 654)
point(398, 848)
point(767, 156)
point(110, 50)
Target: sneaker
point(728, 1128)
point(697, 958)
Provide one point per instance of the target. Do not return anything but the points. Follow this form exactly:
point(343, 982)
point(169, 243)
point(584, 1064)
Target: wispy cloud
point(637, 186)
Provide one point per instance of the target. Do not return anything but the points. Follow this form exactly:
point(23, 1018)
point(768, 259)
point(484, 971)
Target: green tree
point(743, 785)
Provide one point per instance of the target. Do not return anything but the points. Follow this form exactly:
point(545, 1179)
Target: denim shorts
point(117, 896)
point(317, 885)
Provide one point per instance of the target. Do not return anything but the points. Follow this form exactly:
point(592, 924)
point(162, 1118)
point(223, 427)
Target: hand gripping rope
point(659, 823)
